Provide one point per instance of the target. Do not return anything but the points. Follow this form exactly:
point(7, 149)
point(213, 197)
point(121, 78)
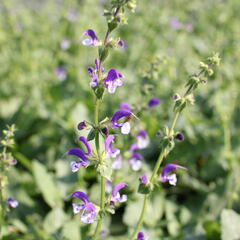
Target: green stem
point(103, 180)
point(2, 203)
point(162, 155)
point(141, 218)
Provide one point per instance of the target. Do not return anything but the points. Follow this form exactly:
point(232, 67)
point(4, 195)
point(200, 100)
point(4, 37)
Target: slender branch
point(163, 154)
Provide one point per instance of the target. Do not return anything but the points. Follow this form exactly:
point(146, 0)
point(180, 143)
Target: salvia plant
point(125, 121)
point(6, 162)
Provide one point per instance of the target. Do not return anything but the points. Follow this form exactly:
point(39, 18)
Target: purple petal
point(117, 188)
point(81, 125)
point(90, 70)
point(179, 137)
point(144, 179)
point(133, 148)
point(125, 106)
point(77, 207)
point(140, 236)
point(81, 195)
point(89, 213)
point(153, 102)
point(169, 168)
point(93, 41)
point(13, 203)
point(87, 145)
point(142, 133)
point(112, 152)
point(117, 116)
point(97, 63)
point(61, 73)
point(112, 80)
point(76, 165)
point(78, 153)
point(142, 139)
point(105, 131)
point(13, 162)
point(121, 44)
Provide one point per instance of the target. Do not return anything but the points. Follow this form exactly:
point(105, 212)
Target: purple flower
point(13, 161)
point(116, 197)
point(117, 163)
point(144, 179)
point(126, 106)
point(13, 203)
point(112, 152)
point(87, 145)
point(140, 236)
point(125, 125)
point(83, 161)
point(133, 148)
point(91, 39)
point(113, 81)
point(61, 73)
point(93, 72)
point(142, 139)
point(81, 125)
point(153, 102)
point(121, 44)
point(179, 136)
point(171, 178)
point(65, 44)
point(105, 131)
point(88, 209)
point(136, 161)
point(175, 23)
point(72, 15)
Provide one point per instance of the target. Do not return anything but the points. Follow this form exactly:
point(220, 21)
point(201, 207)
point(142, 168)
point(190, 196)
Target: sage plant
point(102, 81)
point(169, 135)
point(106, 160)
point(6, 162)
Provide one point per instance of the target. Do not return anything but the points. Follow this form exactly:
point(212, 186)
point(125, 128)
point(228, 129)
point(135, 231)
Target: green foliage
point(157, 63)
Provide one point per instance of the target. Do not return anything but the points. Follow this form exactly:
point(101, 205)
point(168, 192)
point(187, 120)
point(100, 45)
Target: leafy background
point(205, 203)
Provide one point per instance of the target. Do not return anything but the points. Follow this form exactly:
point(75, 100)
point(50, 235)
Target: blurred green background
point(44, 90)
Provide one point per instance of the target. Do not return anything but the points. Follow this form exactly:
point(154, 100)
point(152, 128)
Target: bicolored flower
point(112, 152)
point(93, 72)
point(61, 73)
point(91, 38)
point(153, 102)
point(13, 203)
point(144, 179)
point(125, 116)
point(87, 209)
point(116, 197)
point(117, 163)
point(113, 80)
point(142, 139)
point(126, 106)
point(136, 161)
point(83, 161)
point(171, 178)
point(140, 236)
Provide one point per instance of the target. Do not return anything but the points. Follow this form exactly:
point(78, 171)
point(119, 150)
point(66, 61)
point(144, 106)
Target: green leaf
point(46, 184)
point(54, 220)
point(91, 134)
point(230, 225)
point(71, 230)
point(144, 189)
